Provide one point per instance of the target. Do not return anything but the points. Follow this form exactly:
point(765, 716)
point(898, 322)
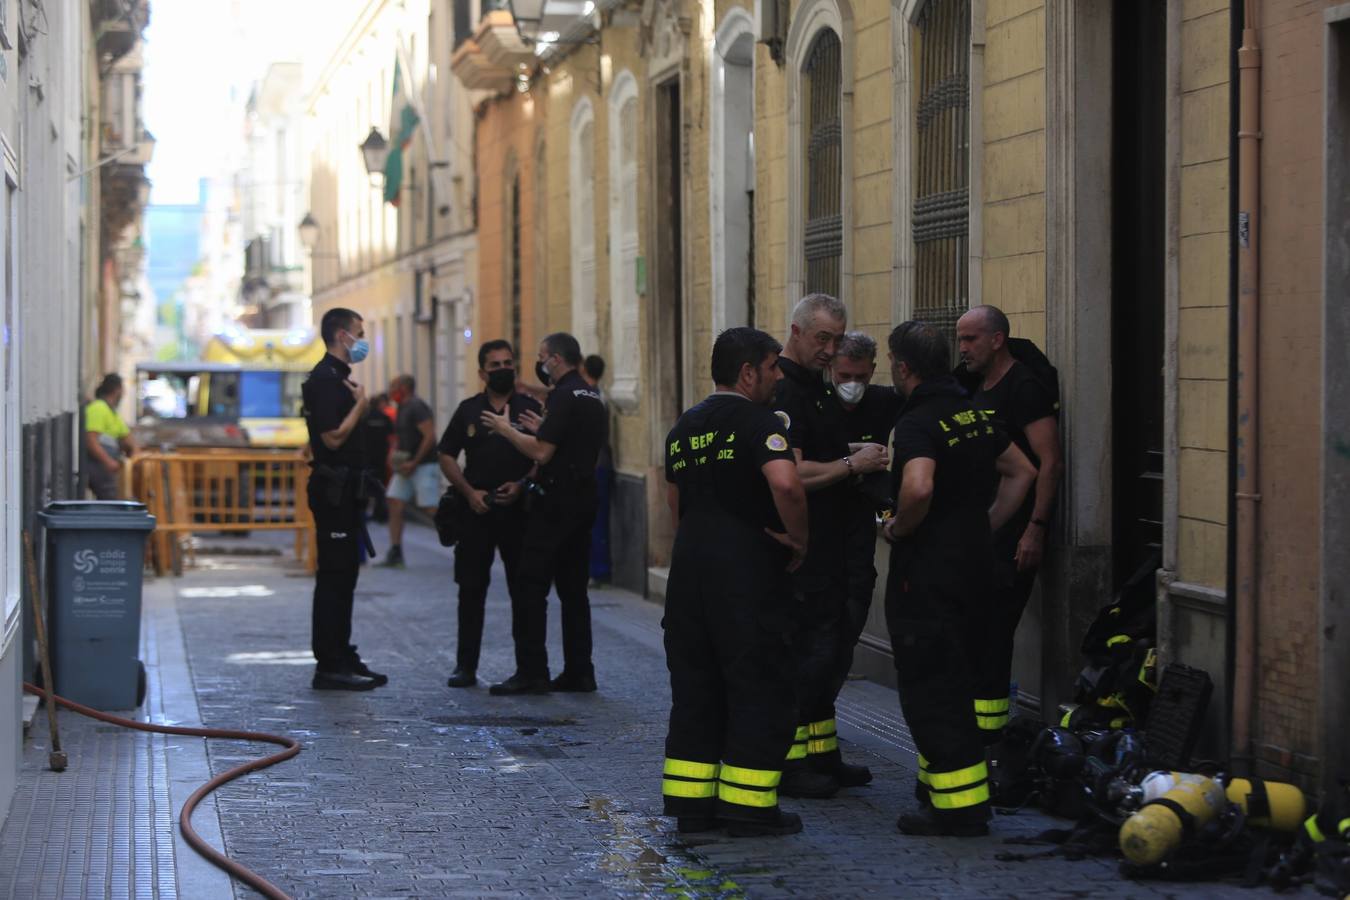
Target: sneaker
point(461, 678)
point(786, 823)
point(576, 684)
point(394, 558)
point(519, 684)
point(808, 785)
point(927, 824)
point(342, 681)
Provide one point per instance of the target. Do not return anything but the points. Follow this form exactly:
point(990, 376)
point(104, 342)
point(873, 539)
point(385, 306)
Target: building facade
point(72, 152)
point(407, 264)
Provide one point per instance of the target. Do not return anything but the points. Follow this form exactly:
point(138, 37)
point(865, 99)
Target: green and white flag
point(403, 121)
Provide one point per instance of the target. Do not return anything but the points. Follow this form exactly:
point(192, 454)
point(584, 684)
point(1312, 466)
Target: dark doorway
point(1137, 263)
point(667, 261)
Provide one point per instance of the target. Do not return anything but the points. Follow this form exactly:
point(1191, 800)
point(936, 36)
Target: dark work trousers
point(1012, 589)
point(601, 567)
point(500, 530)
point(860, 573)
point(338, 530)
point(935, 608)
point(820, 603)
point(556, 551)
point(732, 715)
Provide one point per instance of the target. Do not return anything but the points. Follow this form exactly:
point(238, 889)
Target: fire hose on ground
point(220, 860)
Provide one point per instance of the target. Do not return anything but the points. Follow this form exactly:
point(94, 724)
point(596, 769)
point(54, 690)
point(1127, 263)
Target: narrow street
point(415, 790)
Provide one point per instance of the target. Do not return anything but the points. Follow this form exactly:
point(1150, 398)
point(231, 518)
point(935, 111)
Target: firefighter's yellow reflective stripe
point(697, 790)
point(1068, 714)
point(961, 799)
point(991, 722)
point(997, 705)
point(822, 745)
point(923, 761)
point(923, 776)
point(729, 793)
point(1117, 639)
point(797, 751)
point(803, 732)
point(683, 768)
point(751, 777)
point(1342, 827)
point(1314, 832)
point(823, 728)
point(945, 781)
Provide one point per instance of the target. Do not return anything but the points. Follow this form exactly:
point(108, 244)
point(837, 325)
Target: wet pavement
point(419, 790)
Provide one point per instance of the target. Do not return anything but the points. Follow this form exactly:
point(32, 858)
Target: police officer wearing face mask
point(335, 411)
point(490, 485)
point(557, 545)
point(868, 413)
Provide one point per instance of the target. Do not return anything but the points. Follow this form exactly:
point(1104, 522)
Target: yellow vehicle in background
point(244, 391)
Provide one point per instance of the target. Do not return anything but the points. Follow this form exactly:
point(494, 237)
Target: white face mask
point(850, 391)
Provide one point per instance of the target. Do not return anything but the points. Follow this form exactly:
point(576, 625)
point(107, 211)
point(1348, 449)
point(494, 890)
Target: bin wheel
point(140, 684)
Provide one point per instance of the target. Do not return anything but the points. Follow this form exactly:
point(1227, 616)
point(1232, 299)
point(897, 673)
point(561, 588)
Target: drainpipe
point(1247, 497)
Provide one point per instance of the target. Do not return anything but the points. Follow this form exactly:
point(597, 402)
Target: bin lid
point(105, 515)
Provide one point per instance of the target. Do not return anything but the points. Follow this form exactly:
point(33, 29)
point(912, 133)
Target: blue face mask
point(359, 350)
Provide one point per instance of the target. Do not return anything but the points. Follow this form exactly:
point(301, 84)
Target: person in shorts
point(417, 476)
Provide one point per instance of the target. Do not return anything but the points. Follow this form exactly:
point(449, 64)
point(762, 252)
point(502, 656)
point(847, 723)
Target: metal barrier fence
point(222, 490)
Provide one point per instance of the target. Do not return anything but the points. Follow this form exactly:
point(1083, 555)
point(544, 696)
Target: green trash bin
point(95, 559)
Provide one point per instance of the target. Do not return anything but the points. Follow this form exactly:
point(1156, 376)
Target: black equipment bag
point(450, 515)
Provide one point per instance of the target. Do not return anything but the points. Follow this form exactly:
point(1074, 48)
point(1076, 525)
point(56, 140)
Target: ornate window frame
point(737, 24)
point(583, 264)
point(624, 245)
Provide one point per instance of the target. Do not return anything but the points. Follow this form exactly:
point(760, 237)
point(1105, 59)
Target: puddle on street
point(672, 873)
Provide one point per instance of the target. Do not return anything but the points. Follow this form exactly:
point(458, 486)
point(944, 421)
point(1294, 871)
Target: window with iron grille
point(823, 246)
point(942, 164)
point(515, 263)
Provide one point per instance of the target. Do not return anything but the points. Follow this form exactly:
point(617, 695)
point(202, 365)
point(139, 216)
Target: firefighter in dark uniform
point(740, 517)
point(557, 543)
point(949, 460)
point(335, 411)
point(1028, 412)
point(868, 413)
point(806, 405)
point(490, 486)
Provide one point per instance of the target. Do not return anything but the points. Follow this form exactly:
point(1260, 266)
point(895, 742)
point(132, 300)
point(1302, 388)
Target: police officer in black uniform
point(868, 412)
point(335, 411)
point(1011, 393)
point(490, 485)
point(806, 405)
point(557, 542)
point(950, 459)
point(740, 515)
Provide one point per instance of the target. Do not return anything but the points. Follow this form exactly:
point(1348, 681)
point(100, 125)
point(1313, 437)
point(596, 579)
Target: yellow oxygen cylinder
point(1288, 806)
point(1155, 831)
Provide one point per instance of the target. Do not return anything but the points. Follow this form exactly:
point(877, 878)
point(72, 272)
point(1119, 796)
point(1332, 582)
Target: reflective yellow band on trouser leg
point(686, 769)
point(823, 737)
point(960, 799)
point(960, 778)
point(729, 793)
point(760, 778)
point(694, 790)
point(991, 714)
point(923, 769)
point(798, 748)
point(1314, 832)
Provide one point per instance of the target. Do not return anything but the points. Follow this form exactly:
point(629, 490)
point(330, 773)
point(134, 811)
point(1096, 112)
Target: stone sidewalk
point(417, 790)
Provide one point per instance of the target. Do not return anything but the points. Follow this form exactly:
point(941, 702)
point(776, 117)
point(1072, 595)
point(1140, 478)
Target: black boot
point(786, 823)
point(341, 680)
point(697, 824)
point(927, 823)
point(576, 684)
point(520, 684)
point(802, 782)
point(461, 678)
point(360, 668)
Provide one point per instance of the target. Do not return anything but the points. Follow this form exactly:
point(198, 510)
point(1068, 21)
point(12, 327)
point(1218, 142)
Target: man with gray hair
point(805, 403)
point(868, 413)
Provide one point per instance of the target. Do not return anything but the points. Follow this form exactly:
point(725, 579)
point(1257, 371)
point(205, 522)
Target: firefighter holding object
point(950, 459)
point(741, 526)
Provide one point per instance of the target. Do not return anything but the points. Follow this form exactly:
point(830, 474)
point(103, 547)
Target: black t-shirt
point(490, 459)
point(576, 423)
point(810, 412)
point(327, 401)
point(715, 455)
point(940, 423)
point(378, 429)
point(871, 422)
point(411, 413)
point(1015, 402)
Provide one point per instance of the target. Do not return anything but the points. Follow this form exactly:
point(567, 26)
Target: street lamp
point(375, 150)
point(309, 231)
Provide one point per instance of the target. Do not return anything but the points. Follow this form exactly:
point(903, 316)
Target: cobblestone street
point(417, 790)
